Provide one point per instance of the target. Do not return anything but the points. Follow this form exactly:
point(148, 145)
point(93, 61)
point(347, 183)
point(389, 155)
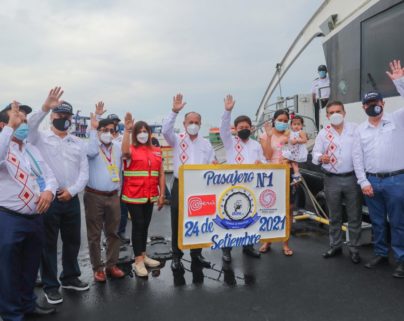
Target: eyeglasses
point(106, 130)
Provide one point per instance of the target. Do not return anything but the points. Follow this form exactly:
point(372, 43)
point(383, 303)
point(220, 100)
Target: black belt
point(339, 174)
point(384, 175)
point(101, 193)
point(28, 216)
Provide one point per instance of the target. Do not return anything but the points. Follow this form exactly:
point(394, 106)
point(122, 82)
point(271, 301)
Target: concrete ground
point(274, 287)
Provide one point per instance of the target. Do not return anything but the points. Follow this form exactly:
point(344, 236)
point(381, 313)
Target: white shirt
point(343, 151)
point(67, 157)
point(99, 176)
point(18, 171)
point(197, 151)
point(380, 149)
point(318, 89)
point(245, 153)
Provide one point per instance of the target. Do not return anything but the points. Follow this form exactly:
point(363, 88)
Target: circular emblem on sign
point(267, 198)
point(237, 203)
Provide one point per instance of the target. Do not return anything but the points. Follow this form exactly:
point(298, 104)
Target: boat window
point(381, 42)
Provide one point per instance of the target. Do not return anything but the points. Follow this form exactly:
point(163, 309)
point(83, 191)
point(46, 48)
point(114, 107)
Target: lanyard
point(37, 171)
point(109, 160)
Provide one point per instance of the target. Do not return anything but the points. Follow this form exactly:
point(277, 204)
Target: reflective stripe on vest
point(139, 200)
point(140, 173)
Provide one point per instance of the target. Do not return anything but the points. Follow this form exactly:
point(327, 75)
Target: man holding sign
point(188, 148)
point(239, 150)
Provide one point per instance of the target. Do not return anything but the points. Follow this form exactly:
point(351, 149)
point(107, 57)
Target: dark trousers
point(102, 212)
point(63, 217)
point(21, 241)
point(124, 218)
point(388, 201)
point(141, 215)
point(177, 253)
point(338, 190)
point(319, 104)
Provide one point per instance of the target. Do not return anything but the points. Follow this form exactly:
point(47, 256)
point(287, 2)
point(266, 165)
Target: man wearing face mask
point(101, 198)
point(239, 150)
point(27, 188)
point(333, 150)
point(320, 92)
point(379, 166)
point(188, 148)
point(66, 155)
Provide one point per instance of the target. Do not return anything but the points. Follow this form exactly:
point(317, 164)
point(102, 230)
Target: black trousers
point(177, 253)
point(141, 215)
point(66, 218)
point(319, 104)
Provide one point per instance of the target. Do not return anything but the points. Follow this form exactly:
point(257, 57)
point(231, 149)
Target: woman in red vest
point(143, 185)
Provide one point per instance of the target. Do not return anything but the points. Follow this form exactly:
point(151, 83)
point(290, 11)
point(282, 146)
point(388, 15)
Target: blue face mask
point(281, 126)
point(21, 132)
point(322, 73)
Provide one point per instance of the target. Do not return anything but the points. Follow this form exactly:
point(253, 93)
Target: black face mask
point(62, 124)
point(244, 133)
point(374, 110)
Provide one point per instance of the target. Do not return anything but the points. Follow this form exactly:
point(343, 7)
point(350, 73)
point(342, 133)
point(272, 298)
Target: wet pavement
point(274, 287)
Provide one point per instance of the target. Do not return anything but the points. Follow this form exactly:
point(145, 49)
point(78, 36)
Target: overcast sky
point(135, 55)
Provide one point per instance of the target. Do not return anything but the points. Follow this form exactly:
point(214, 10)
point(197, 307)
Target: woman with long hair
point(143, 185)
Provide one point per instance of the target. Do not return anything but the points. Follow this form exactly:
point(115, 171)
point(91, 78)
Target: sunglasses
point(106, 130)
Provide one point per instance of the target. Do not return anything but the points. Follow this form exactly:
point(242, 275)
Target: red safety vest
point(141, 175)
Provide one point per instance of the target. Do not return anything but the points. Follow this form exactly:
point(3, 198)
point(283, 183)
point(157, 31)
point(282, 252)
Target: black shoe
point(399, 271)
point(176, 264)
point(332, 252)
point(53, 296)
point(124, 240)
point(178, 275)
point(355, 257)
point(251, 251)
point(41, 310)
point(376, 260)
point(75, 284)
point(226, 255)
point(199, 259)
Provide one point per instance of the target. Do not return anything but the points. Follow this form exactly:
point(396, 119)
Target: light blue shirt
point(99, 176)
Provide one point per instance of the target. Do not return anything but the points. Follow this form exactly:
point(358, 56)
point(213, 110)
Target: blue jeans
point(21, 241)
point(388, 201)
point(63, 217)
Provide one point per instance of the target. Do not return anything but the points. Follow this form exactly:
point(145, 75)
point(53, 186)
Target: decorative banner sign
point(232, 205)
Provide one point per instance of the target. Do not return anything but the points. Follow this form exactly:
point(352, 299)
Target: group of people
point(42, 173)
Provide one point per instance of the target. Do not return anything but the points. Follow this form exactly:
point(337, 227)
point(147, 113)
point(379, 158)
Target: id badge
point(113, 171)
point(41, 183)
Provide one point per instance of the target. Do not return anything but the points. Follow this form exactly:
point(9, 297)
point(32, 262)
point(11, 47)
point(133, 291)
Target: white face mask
point(142, 138)
point(336, 119)
point(193, 129)
point(106, 138)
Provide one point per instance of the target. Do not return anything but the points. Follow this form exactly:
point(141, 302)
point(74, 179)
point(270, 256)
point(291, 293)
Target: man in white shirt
point(320, 91)
point(333, 150)
point(188, 148)
point(379, 165)
point(239, 150)
point(27, 188)
point(101, 198)
point(66, 155)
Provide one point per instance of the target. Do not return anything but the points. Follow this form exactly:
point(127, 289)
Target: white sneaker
point(150, 262)
point(140, 269)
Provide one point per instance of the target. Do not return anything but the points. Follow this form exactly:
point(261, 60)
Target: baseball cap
point(64, 107)
point(104, 122)
point(371, 96)
point(25, 108)
point(113, 117)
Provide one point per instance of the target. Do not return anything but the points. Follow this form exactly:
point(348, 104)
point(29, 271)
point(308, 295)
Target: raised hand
point(268, 128)
point(396, 70)
point(14, 119)
point(53, 99)
point(178, 104)
point(99, 108)
point(229, 103)
point(94, 121)
point(129, 122)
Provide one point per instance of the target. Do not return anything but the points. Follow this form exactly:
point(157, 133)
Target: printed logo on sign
point(200, 205)
point(267, 198)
